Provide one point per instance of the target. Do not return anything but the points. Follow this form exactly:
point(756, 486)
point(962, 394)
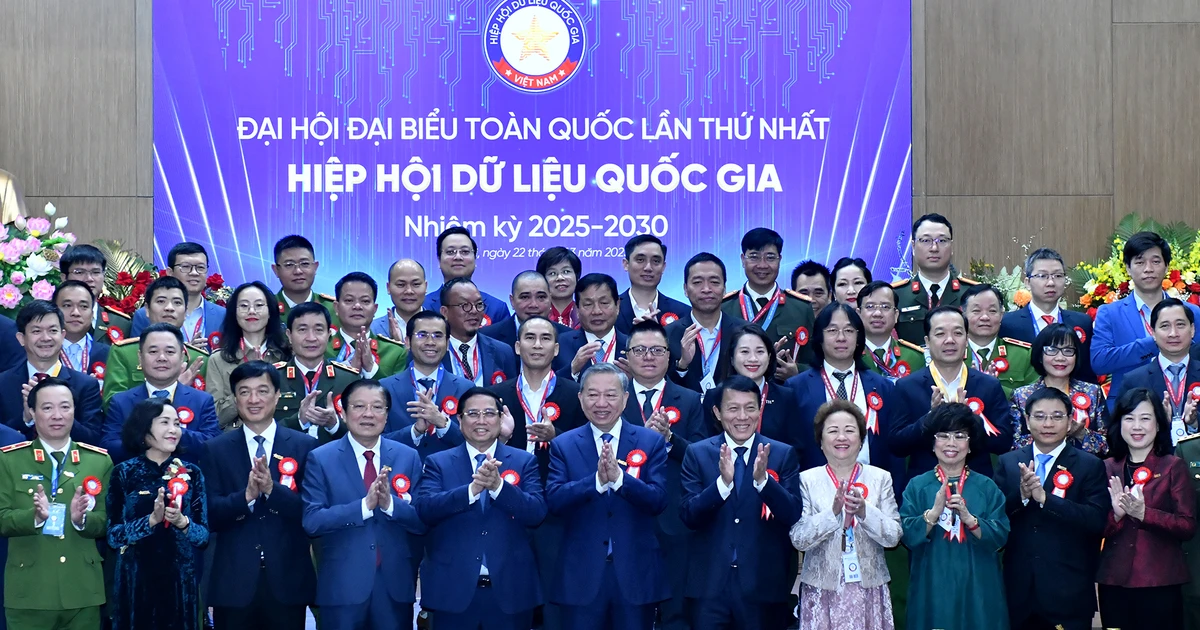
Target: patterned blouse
point(1092, 439)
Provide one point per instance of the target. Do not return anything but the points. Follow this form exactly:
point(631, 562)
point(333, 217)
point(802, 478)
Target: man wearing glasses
point(886, 353)
point(936, 283)
point(188, 263)
point(480, 360)
point(296, 267)
point(87, 264)
point(1047, 281)
point(456, 258)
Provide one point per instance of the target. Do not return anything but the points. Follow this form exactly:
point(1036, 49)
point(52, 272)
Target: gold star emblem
point(534, 40)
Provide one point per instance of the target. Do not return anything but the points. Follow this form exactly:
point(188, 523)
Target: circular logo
point(534, 46)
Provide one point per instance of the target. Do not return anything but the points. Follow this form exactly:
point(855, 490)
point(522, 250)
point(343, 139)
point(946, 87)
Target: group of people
point(914, 453)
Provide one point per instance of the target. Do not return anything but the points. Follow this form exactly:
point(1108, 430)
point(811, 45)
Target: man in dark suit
point(645, 261)
point(1046, 279)
point(426, 395)
point(11, 353)
point(1057, 503)
point(606, 482)
point(162, 357)
point(406, 286)
point(674, 412)
point(1173, 375)
point(739, 575)
point(80, 351)
point(357, 500)
point(478, 359)
point(597, 340)
point(40, 332)
point(480, 500)
point(947, 379)
point(695, 342)
point(86, 263)
point(530, 298)
point(262, 574)
point(457, 252)
point(188, 262)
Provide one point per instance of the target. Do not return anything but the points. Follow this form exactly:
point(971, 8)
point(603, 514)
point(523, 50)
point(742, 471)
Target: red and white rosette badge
point(511, 477)
point(402, 485)
point(1062, 480)
point(1080, 334)
point(176, 488)
point(287, 472)
point(801, 336)
point(1194, 393)
point(860, 487)
point(92, 488)
point(498, 377)
point(673, 414)
point(449, 407)
point(1081, 403)
point(97, 370)
point(337, 405)
point(1000, 365)
point(185, 415)
point(668, 318)
point(198, 383)
point(115, 334)
point(976, 406)
point(484, 320)
point(214, 342)
point(1140, 477)
point(903, 369)
point(874, 405)
point(551, 412)
point(636, 459)
point(766, 511)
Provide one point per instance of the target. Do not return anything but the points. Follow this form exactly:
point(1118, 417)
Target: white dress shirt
point(608, 340)
point(1049, 465)
point(927, 282)
point(1037, 313)
point(359, 449)
point(857, 396)
point(639, 311)
point(292, 304)
point(640, 393)
point(170, 389)
point(726, 490)
point(440, 432)
point(474, 360)
point(252, 447)
point(490, 452)
point(755, 297)
point(951, 391)
point(533, 398)
point(615, 444)
point(54, 370)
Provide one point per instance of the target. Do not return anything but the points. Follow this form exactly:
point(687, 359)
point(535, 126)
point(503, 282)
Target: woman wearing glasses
point(954, 526)
point(1055, 355)
point(750, 355)
point(253, 334)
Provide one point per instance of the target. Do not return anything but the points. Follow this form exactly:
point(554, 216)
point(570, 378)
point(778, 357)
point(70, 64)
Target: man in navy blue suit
point(406, 286)
point(188, 262)
point(1174, 375)
point(696, 347)
point(358, 501)
point(426, 395)
point(645, 261)
point(456, 259)
point(530, 298)
point(1046, 279)
point(606, 482)
point(478, 359)
point(674, 412)
point(162, 356)
point(11, 353)
point(741, 495)
point(80, 350)
point(947, 379)
point(480, 500)
point(597, 340)
point(262, 574)
point(40, 332)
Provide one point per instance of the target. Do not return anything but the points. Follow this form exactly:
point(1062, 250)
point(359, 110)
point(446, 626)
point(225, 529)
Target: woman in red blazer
point(1142, 566)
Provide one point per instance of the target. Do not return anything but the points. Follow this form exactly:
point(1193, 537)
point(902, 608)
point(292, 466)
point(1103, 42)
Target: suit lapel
point(350, 467)
point(1026, 316)
point(628, 441)
point(1066, 459)
point(1132, 316)
point(633, 406)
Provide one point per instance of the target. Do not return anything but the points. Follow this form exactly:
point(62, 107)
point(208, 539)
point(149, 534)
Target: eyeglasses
point(423, 335)
point(565, 273)
point(1042, 417)
point(882, 308)
point(468, 307)
point(303, 265)
point(376, 408)
point(76, 273)
point(246, 307)
point(190, 269)
point(928, 242)
point(755, 257)
point(957, 436)
point(1053, 351)
point(464, 252)
point(488, 414)
point(1057, 277)
point(654, 351)
point(840, 332)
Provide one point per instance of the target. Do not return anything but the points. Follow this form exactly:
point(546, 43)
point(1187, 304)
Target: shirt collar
point(716, 326)
point(1054, 453)
point(418, 374)
point(472, 451)
point(658, 387)
point(928, 282)
point(359, 449)
point(829, 369)
point(292, 304)
point(455, 343)
point(1038, 313)
point(1141, 306)
point(732, 445)
point(637, 310)
point(615, 431)
point(757, 296)
point(170, 389)
point(871, 347)
point(535, 387)
point(268, 433)
point(309, 368)
point(55, 370)
point(991, 347)
point(1164, 363)
point(607, 339)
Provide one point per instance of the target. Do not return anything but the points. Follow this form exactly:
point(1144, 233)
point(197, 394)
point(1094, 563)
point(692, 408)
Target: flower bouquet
point(129, 274)
point(29, 252)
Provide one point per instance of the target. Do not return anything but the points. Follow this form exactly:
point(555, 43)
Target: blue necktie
point(262, 451)
point(161, 393)
point(483, 496)
point(739, 468)
point(1176, 372)
point(75, 354)
point(608, 438)
point(600, 352)
point(1043, 461)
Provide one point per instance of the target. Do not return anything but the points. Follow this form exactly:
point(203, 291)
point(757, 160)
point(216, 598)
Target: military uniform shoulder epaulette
point(280, 365)
point(126, 341)
point(12, 447)
point(114, 311)
point(1016, 342)
point(966, 280)
point(798, 296)
point(92, 448)
point(199, 349)
point(344, 366)
point(389, 340)
point(910, 345)
point(1181, 440)
point(326, 297)
point(899, 284)
point(730, 295)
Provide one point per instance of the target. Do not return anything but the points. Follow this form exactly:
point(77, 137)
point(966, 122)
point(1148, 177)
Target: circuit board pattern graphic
point(217, 61)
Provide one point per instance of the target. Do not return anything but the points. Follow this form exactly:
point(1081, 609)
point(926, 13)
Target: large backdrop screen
point(370, 125)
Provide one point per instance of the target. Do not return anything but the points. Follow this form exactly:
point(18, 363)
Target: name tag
point(910, 308)
point(58, 519)
point(289, 395)
point(33, 477)
point(850, 568)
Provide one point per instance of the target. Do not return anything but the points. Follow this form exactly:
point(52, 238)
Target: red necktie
point(40, 376)
point(1049, 319)
point(369, 472)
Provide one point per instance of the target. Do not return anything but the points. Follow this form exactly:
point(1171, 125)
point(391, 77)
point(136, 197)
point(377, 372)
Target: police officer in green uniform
point(937, 282)
point(885, 352)
point(1188, 449)
point(1005, 358)
point(87, 264)
point(309, 373)
point(166, 302)
point(353, 343)
point(785, 315)
point(296, 267)
point(52, 493)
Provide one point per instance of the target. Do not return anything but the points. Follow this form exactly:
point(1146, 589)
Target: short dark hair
point(931, 217)
point(528, 274)
point(812, 268)
point(1047, 393)
point(593, 280)
point(479, 391)
point(647, 326)
point(824, 318)
point(161, 327)
point(846, 261)
point(838, 405)
point(36, 310)
point(366, 383)
point(1053, 336)
point(80, 254)
point(536, 318)
point(165, 283)
point(874, 286)
point(1170, 302)
point(1118, 449)
point(950, 417)
point(254, 369)
point(938, 310)
point(231, 329)
point(185, 248)
point(50, 381)
point(451, 231)
point(423, 315)
point(1143, 242)
point(293, 241)
point(138, 423)
point(556, 255)
point(736, 383)
point(703, 257)
point(444, 292)
point(760, 238)
point(71, 284)
point(356, 276)
point(1040, 254)
point(642, 239)
point(307, 308)
point(979, 289)
point(725, 368)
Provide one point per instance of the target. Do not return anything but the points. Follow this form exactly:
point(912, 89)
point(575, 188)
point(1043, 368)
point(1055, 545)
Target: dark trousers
point(609, 611)
point(732, 611)
point(482, 614)
point(672, 614)
point(1191, 611)
point(1037, 622)
point(264, 611)
point(379, 612)
point(1152, 608)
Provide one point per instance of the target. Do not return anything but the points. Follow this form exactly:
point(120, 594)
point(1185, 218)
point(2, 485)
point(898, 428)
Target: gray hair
point(1042, 253)
point(601, 369)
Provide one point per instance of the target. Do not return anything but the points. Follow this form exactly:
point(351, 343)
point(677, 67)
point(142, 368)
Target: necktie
point(648, 406)
point(261, 451)
point(983, 355)
point(608, 438)
point(762, 303)
point(160, 393)
point(75, 354)
point(1049, 319)
point(483, 496)
point(881, 353)
point(369, 472)
point(933, 295)
point(464, 350)
point(58, 466)
point(1043, 461)
point(739, 467)
point(426, 383)
point(841, 390)
point(1176, 371)
point(600, 352)
point(40, 376)
point(310, 376)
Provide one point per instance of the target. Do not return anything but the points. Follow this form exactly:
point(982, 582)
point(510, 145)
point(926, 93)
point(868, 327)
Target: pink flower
point(11, 251)
point(69, 236)
point(32, 244)
point(10, 296)
point(18, 278)
point(41, 290)
point(38, 226)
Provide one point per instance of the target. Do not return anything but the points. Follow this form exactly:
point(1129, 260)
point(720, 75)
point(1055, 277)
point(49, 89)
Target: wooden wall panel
point(144, 79)
point(1157, 106)
point(1018, 97)
point(1156, 11)
point(126, 219)
point(918, 96)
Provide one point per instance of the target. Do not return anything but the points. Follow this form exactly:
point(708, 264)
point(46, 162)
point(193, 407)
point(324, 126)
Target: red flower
point(1194, 299)
point(1194, 287)
point(221, 303)
point(143, 277)
point(1124, 288)
point(124, 279)
point(1092, 313)
point(1175, 276)
point(162, 273)
point(215, 282)
point(109, 301)
point(1101, 290)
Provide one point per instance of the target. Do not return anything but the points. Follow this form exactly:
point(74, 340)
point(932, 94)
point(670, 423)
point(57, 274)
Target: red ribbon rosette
point(1082, 335)
point(1062, 480)
point(198, 383)
point(401, 485)
point(337, 405)
point(668, 318)
point(511, 477)
point(766, 511)
point(874, 404)
point(636, 458)
point(802, 336)
point(287, 472)
point(861, 487)
point(186, 416)
point(484, 320)
point(498, 377)
point(673, 414)
point(177, 487)
point(903, 369)
point(1080, 404)
point(115, 334)
point(1195, 393)
point(1000, 365)
point(551, 412)
point(450, 406)
point(214, 341)
point(1141, 476)
point(92, 486)
point(976, 406)
point(97, 370)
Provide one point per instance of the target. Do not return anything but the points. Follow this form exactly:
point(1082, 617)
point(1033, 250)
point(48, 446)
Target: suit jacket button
point(372, 546)
point(62, 558)
point(736, 521)
point(485, 533)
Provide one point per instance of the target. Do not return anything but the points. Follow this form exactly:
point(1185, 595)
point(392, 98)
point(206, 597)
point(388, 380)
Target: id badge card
point(56, 522)
point(707, 383)
point(850, 567)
